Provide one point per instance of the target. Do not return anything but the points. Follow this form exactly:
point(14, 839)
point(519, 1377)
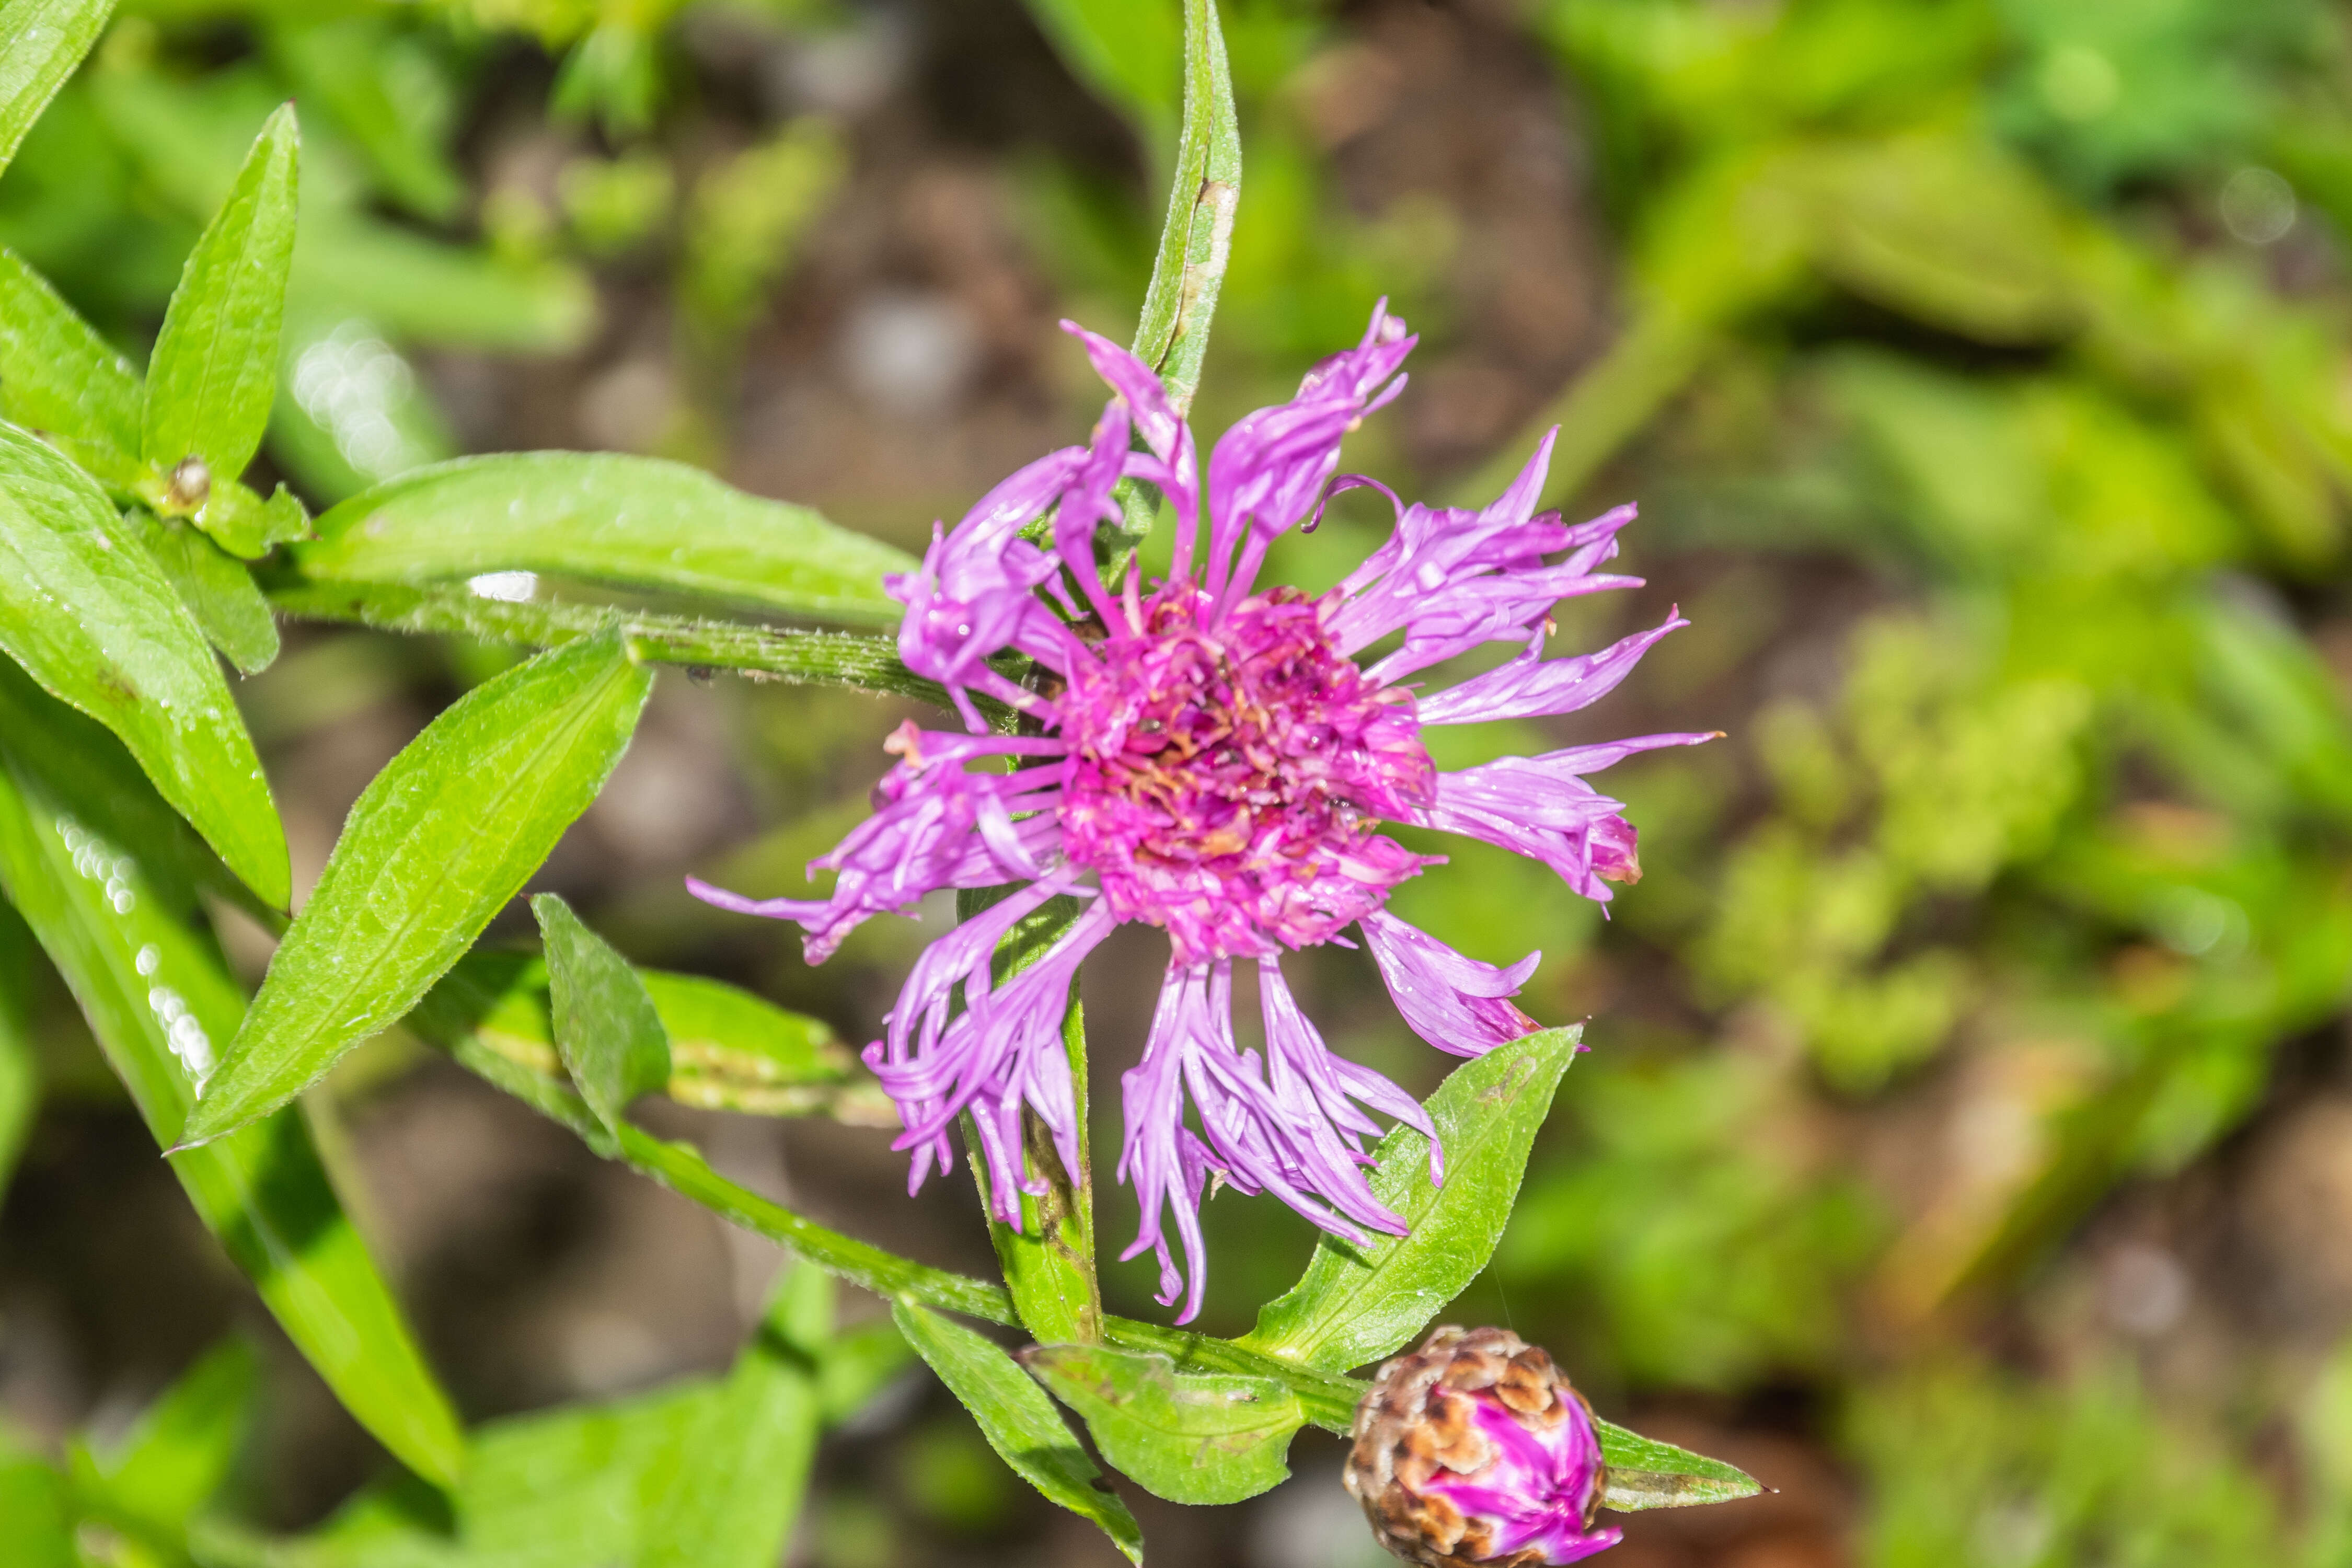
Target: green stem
point(865, 663)
point(1330, 1400)
point(685, 1172)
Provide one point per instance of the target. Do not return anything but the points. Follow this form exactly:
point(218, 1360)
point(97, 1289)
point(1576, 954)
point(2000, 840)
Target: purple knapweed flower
point(1216, 760)
point(1474, 1452)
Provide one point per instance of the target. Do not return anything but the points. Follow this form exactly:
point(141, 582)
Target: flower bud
point(1474, 1450)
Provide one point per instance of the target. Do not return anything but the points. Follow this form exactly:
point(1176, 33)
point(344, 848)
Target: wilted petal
point(1268, 472)
point(1542, 808)
point(1456, 1003)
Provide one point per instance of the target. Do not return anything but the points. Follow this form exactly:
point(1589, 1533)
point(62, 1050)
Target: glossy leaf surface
point(92, 618)
point(159, 1000)
point(610, 1037)
point(59, 379)
point(1190, 1437)
point(45, 40)
point(214, 368)
point(444, 836)
point(1355, 1305)
point(639, 522)
point(1019, 1421)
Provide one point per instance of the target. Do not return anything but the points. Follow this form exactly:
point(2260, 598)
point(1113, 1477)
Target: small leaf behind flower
point(1644, 1473)
point(1019, 1421)
point(1355, 1305)
point(610, 1037)
point(1188, 1437)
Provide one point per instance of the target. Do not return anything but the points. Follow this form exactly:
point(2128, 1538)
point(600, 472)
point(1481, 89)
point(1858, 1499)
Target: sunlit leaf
point(45, 40)
point(604, 517)
point(444, 836)
point(91, 617)
point(1019, 1421)
point(1355, 1305)
point(215, 364)
point(160, 1002)
point(60, 380)
point(1190, 1437)
point(1172, 336)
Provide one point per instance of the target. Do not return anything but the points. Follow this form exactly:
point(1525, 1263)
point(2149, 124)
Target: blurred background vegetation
point(1966, 1145)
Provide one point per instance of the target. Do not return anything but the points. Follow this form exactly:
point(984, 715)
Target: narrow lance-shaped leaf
point(444, 837)
point(1644, 1473)
point(89, 616)
point(606, 1030)
point(41, 42)
point(1190, 1437)
point(216, 588)
point(62, 380)
point(1356, 1305)
point(157, 998)
point(214, 368)
point(1019, 1421)
point(1196, 242)
point(639, 522)
point(729, 1495)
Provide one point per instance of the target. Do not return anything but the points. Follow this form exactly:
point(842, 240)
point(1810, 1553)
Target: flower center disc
point(1226, 782)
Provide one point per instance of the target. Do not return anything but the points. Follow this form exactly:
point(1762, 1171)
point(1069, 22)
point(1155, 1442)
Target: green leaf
point(91, 617)
point(176, 1457)
point(601, 516)
point(728, 1498)
point(20, 1068)
point(610, 1037)
point(214, 368)
point(1190, 1437)
point(1644, 1473)
point(1356, 1305)
point(159, 999)
point(45, 40)
point(1018, 1420)
point(240, 521)
point(1172, 337)
point(729, 1050)
point(59, 379)
point(444, 837)
point(217, 590)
